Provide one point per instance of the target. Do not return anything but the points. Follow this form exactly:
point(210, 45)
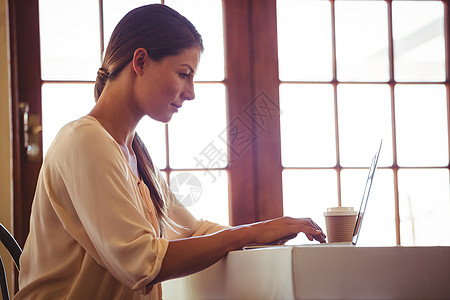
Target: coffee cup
point(340, 223)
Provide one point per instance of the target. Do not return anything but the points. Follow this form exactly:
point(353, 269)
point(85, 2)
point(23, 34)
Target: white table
point(314, 272)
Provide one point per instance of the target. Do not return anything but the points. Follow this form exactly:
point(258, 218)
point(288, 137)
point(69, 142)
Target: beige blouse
point(93, 228)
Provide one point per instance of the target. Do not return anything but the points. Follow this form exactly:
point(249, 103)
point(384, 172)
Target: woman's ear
point(140, 57)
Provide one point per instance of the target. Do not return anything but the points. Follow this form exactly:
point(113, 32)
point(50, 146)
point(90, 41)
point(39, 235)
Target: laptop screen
point(362, 208)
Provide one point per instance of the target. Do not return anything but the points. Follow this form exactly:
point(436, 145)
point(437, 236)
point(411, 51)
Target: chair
point(15, 251)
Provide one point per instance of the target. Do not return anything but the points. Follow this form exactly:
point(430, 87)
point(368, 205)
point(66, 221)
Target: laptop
point(360, 215)
point(365, 198)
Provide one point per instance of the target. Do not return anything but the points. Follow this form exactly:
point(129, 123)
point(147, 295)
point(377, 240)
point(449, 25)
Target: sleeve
point(97, 205)
point(186, 225)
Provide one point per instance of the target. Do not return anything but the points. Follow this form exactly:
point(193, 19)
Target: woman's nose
point(189, 93)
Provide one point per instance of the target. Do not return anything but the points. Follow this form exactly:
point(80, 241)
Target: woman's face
point(165, 85)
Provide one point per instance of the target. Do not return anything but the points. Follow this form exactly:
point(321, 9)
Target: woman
point(104, 223)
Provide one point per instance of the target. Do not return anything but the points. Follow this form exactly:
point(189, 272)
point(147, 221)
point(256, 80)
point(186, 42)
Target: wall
point(5, 134)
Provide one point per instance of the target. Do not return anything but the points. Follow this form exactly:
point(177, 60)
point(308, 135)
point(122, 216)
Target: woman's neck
point(114, 111)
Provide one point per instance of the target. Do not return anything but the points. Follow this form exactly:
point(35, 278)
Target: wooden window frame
point(255, 186)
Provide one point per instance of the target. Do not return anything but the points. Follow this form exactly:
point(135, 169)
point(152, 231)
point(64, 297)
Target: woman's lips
point(176, 107)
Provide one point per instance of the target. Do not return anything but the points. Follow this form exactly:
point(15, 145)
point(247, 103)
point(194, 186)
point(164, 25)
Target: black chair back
point(15, 251)
point(3, 282)
point(11, 245)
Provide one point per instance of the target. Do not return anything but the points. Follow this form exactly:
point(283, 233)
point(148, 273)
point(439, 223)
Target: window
point(296, 95)
point(350, 73)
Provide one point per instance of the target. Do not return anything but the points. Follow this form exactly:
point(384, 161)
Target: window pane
point(114, 11)
point(424, 207)
point(58, 110)
point(153, 134)
point(378, 228)
point(210, 26)
point(307, 125)
point(308, 193)
point(419, 47)
point(364, 118)
point(421, 120)
point(304, 40)
point(362, 41)
point(70, 49)
point(203, 197)
point(192, 144)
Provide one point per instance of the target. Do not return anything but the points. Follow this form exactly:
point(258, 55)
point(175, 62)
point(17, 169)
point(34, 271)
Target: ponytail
point(102, 78)
point(147, 172)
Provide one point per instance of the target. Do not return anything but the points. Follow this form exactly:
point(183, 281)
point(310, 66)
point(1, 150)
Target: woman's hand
point(280, 230)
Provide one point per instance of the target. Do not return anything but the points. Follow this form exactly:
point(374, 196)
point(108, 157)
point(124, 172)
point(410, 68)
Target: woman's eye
point(183, 75)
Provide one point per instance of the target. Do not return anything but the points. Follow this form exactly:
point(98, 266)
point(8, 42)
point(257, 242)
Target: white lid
point(340, 211)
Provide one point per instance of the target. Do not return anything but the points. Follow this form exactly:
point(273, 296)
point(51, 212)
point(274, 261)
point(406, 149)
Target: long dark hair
point(162, 32)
